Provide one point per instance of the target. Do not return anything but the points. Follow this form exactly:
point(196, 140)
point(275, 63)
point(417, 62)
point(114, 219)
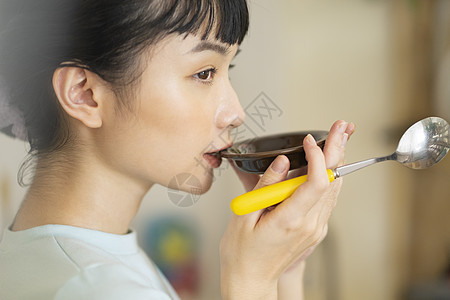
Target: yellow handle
point(268, 195)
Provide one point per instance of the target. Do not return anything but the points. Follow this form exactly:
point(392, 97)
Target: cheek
point(177, 119)
point(174, 127)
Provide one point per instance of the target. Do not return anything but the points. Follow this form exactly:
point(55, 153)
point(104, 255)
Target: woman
point(108, 93)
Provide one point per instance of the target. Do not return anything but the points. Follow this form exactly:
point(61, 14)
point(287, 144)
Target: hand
point(257, 248)
point(334, 152)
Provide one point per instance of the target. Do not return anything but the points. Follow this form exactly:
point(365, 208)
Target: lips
point(214, 159)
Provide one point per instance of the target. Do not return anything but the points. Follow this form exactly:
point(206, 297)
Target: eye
point(206, 75)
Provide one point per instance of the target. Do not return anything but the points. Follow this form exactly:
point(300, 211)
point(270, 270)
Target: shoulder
point(82, 254)
point(104, 276)
point(109, 281)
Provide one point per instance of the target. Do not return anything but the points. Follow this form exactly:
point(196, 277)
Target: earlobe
point(74, 88)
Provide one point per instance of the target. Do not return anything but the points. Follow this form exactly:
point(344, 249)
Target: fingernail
point(310, 139)
point(351, 127)
point(342, 127)
point(278, 165)
point(344, 139)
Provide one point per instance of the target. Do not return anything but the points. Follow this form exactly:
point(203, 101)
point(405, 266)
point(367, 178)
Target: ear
point(75, 89)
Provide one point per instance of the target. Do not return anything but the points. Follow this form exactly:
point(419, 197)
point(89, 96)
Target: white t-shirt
point(64, 263)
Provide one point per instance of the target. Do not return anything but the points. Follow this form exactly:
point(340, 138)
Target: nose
point(229, 112)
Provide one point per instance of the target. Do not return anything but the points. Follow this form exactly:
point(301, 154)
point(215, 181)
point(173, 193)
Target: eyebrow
point(205, 46)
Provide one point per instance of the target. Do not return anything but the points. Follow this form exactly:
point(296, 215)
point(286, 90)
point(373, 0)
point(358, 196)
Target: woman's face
point(185, 109)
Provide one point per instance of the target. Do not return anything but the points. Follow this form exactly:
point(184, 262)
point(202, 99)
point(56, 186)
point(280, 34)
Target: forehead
point(193, 44)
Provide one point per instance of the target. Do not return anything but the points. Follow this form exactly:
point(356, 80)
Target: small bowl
point(256, 155)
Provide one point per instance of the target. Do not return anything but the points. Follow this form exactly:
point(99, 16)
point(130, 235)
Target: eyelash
point(212, 72)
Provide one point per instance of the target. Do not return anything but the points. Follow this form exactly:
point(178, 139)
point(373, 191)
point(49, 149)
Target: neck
point(81, 193)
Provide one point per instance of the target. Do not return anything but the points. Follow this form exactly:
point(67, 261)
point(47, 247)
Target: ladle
point(423, 145)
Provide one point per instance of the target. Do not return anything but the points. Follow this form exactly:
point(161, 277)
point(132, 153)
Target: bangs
point(226, 20)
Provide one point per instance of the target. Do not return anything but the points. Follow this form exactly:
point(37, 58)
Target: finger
point(297, 172)
point(305, 197)
point(350, 129)
point(276, 172)
point(303, 170)
point(329, 200)
point(248, 180)
point(334, 149)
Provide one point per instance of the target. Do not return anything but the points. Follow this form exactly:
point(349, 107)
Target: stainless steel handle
point(350, 168)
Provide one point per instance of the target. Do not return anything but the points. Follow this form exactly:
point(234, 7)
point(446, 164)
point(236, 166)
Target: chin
point(204, 182)
point(196, 183)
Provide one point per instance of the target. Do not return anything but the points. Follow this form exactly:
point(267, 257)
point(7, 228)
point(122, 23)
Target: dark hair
point(103, 36)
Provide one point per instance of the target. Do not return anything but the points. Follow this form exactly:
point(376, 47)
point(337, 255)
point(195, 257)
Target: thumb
point(276, 172)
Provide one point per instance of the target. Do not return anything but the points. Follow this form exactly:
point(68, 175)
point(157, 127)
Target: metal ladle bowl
point(423, 145)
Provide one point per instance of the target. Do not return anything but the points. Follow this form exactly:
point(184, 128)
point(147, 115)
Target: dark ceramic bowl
point(256, 155)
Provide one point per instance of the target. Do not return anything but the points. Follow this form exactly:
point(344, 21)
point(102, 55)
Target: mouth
point(214, 159)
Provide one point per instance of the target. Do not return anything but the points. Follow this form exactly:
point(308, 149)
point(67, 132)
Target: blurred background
point(383, 64)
